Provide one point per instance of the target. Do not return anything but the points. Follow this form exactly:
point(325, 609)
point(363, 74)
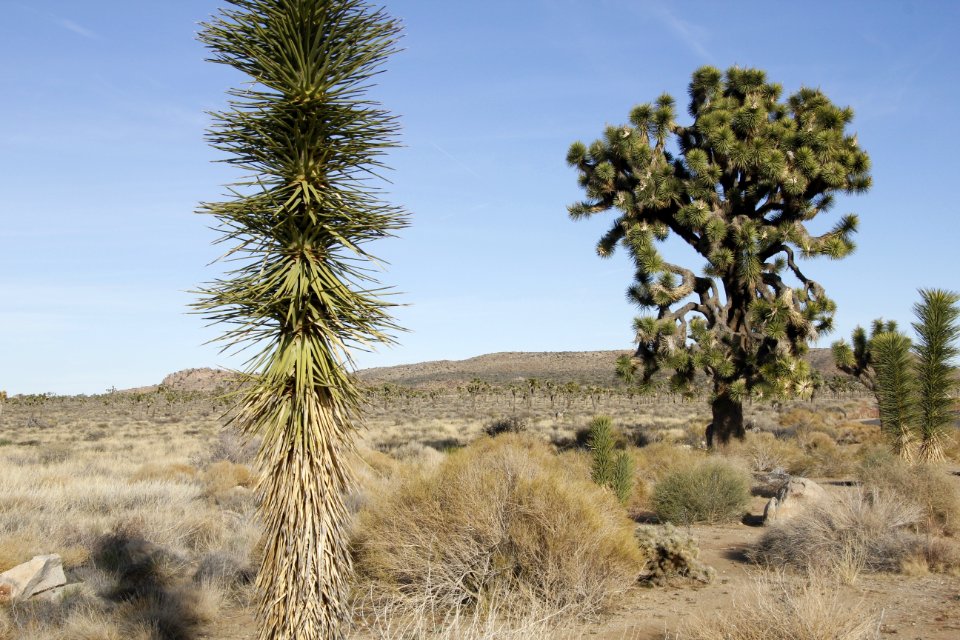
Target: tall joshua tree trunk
point(727, 418)
point(303, 293)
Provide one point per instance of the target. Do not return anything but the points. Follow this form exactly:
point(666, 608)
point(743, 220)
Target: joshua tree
point(857, 360)
point(749, 173)
point(302, 295)
point(936, 349)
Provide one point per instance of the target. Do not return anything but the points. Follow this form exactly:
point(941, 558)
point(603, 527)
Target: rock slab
point(40, 574)
point(792, 497)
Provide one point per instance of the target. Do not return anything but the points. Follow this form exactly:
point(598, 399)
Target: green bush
point(710, 492)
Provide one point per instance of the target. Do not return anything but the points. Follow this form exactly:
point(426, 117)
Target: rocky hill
point(583, 367)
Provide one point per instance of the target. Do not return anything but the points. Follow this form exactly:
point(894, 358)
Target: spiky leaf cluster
point(894, 389)
point(856, 358)
point(936, 350)
point(301, 292)
point(738, 185)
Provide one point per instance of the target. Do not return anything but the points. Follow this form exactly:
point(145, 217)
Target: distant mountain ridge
point(583, 367)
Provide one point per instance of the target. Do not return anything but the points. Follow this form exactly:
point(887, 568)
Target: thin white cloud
point(456, 160)
point(690, 34)
point(70, 25)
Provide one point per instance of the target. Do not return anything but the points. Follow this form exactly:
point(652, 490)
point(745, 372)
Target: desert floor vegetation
point(462, 534)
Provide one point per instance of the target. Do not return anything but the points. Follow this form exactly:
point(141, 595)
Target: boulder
point(40, 574)
point(793, 496)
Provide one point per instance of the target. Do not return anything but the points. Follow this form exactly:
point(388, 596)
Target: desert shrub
point(940, 555)
point(671, 553)
point(711, 492)
point(55, 453)
point(860, 531)
point(224, 569)
point(801, 419)
point(764, 452)
point(230, 446)
point(503, 520)
point(18, 547)
point(172, 472)
point(812, 610)
point(658, 459)
point(417, 453)
point(222, 476)
point(927, 486)
point(824, 457)
point(512, 424)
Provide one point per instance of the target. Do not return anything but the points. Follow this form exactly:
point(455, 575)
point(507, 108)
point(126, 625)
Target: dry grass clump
point(859, 531)
point(169, 471)
point(928, 486)
point(220, 477)
point(660, 458)
point(764, 452)
point(711, 492)
point(824, 457)
point(502, 521)
point(809, 611)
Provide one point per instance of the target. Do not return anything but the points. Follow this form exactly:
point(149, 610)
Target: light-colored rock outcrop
point(793, 496)
point(40, 574)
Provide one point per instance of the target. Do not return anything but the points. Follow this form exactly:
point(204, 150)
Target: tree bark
point(727, 420)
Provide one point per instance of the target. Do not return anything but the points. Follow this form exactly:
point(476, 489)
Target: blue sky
point(103, 163)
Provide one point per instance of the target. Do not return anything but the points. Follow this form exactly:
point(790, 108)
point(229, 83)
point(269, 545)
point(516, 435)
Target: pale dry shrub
point(503, 520)
point(713, 491)
point(417, 453)
point(824, 457)
point(671, 553)
point(928, 486)
point(802, 419)
point(812, 610)
point(18, 547)
point(164, 471)
point(859, 531)
point(937, 555)
point(224, 475)
point(764, 452)
point(660, 458)
point(418, 618)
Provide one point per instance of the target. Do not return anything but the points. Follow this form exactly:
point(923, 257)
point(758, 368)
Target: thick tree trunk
point(727, 420)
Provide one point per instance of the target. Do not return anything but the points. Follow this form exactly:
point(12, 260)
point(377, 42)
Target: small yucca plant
point(600, 441)
point(622, 480)
point(934, 370)
point(302, 293)
point(894, 390)
point(609, 469)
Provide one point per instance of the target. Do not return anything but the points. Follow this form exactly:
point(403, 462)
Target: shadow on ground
point(144, 587)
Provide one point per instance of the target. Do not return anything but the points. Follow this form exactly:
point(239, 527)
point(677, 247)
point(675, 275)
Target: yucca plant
point(890, 358)
point(934, 370)
point(302, 293)
point(600, 441)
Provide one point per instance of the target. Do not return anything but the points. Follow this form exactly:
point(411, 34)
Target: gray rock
point(40, 574)
point(793, 496)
